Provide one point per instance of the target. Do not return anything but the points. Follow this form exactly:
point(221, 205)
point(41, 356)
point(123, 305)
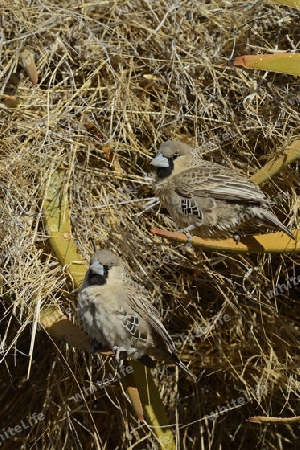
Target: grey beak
point(160, 161)
point(97, 268)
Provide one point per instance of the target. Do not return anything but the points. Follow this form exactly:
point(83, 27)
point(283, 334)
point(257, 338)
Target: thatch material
point(115, 80)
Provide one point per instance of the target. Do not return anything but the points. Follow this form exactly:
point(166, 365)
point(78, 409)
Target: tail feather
point(267, 218)
point(187, 371)
point(169, 357)
point(183, 367)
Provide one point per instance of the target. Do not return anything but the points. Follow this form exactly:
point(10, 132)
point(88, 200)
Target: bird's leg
point(186, 231)
point(119, 354)
point(236, 237)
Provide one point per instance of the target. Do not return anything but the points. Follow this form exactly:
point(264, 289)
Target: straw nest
point(117, 78)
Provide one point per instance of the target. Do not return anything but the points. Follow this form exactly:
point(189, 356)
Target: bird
point(117, 313)
point(208, 199)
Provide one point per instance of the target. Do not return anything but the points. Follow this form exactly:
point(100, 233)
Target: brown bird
point(118, 313)
point(212, 200)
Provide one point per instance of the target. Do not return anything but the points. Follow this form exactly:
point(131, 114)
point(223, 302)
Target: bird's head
point(104, 264)
point(172, 157)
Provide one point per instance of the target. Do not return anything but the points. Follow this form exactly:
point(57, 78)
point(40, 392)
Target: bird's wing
point(131, 321)
point(140, 302)
point(213, 180)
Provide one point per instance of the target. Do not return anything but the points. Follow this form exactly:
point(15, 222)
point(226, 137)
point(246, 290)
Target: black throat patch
point(164, 172)
point(95, 279)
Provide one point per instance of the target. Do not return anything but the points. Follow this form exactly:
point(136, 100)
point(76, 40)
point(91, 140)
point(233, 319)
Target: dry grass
point(128, 75)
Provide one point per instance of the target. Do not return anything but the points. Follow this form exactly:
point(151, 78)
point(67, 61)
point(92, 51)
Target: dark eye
point(107, 267)
point(173, 157)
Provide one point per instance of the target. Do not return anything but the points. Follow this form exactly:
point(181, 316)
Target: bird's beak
point(160, 161)
point(97, 268)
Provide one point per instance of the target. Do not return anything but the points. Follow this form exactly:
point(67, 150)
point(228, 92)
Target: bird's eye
point(173, 157)
point(107, 267)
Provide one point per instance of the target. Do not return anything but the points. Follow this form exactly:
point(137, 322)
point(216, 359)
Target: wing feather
point(213, 180)
point(140, 302)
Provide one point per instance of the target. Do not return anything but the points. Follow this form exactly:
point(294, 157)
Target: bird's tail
point(267, 218)
point(183, 367)
point(170, 357)
point(187, 371)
